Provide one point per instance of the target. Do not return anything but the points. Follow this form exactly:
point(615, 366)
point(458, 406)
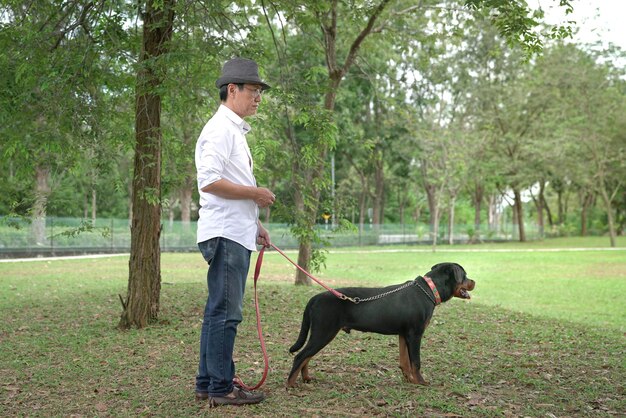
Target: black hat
point(240, 70)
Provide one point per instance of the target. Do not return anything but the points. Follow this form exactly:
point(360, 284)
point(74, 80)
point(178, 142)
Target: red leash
point(257, 273)
point(331, 290)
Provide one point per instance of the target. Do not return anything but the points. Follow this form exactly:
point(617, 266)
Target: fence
point(64, 236)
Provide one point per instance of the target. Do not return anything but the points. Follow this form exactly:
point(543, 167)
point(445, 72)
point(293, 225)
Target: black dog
point(404, 310)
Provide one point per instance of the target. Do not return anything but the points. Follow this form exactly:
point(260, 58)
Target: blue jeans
point(226, 279)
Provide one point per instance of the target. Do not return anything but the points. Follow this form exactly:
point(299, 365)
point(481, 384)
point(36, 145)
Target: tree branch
point(354, 48)
point(81, 21)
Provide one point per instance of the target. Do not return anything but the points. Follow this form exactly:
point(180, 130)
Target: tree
point(595, 124)
point(341, 45)
point(337, 67)
point(51, 68)
point(141, 305)
point(309, 125)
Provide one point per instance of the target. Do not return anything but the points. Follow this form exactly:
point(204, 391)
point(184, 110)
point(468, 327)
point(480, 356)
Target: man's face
point(245, 102)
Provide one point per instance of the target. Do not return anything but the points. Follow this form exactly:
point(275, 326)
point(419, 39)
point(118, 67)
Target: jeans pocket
point(207, 248)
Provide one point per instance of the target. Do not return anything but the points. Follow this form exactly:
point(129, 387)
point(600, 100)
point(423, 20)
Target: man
point(228, 227)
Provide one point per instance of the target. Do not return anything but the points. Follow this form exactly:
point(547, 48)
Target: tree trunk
point(362, 195)
point(189, 183)
point(417, 213)
point(609, 214)
point(141, 306)
point(171, 213)
point(519, 212)
point(539, 203)
point(431, 195)
point(402, 194)
point(185, 205)
point(379, 188)
point(561, 207)
point(402, 199)
point(451, 220)
point(94, 205)
point(185, 202)
point(362, 211)
point(435, 225)
point(477, 197)
point(85, 205)
point(540, 216)
point(586, 204)
point(93, 177)
point(548, 212)
point(492, 220)
point(304, 246)
point(130, 203)
point(583, 222)
point(304, 261)
point(42, 191)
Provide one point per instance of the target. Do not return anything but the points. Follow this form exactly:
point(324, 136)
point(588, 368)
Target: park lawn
point(543, 335)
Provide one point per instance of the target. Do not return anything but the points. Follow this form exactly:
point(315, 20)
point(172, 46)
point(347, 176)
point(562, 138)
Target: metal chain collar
point(358, 300)
point(432, 299)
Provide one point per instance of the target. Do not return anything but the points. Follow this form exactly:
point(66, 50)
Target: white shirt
point(222, 152)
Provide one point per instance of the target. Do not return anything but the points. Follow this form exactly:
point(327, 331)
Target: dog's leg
point(318, 339)
point(295, 371)
point(306, 378)
point(405, 360)
point(303, 369)
point(414, 343)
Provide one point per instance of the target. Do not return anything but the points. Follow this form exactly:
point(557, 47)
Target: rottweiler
point(404, 310)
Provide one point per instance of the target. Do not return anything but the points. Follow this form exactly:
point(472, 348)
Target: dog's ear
point(453, 269)
point(459, 272)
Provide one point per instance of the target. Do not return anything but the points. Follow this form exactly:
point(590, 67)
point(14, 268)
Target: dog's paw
point(415, 378)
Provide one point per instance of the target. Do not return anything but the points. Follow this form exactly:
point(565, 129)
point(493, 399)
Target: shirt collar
point(242, 124)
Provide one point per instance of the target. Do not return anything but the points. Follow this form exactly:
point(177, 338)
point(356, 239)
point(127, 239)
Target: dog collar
point(432, 286)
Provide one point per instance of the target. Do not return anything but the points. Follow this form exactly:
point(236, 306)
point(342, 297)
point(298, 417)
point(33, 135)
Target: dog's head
point(460, 284)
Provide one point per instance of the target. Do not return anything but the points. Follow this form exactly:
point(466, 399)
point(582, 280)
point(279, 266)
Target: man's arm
point(228, 190)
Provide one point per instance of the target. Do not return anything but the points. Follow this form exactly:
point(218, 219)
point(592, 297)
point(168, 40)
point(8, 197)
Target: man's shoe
point(201, 396)
point(238, 396)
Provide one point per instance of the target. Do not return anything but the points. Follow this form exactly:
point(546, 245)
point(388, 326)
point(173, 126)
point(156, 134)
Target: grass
point(543, 336)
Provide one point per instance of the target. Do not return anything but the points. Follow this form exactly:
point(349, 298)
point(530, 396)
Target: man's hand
point(264, 197)
point(263, 238)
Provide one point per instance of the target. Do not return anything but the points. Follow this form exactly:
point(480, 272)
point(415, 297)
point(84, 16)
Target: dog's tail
point(304, 330)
